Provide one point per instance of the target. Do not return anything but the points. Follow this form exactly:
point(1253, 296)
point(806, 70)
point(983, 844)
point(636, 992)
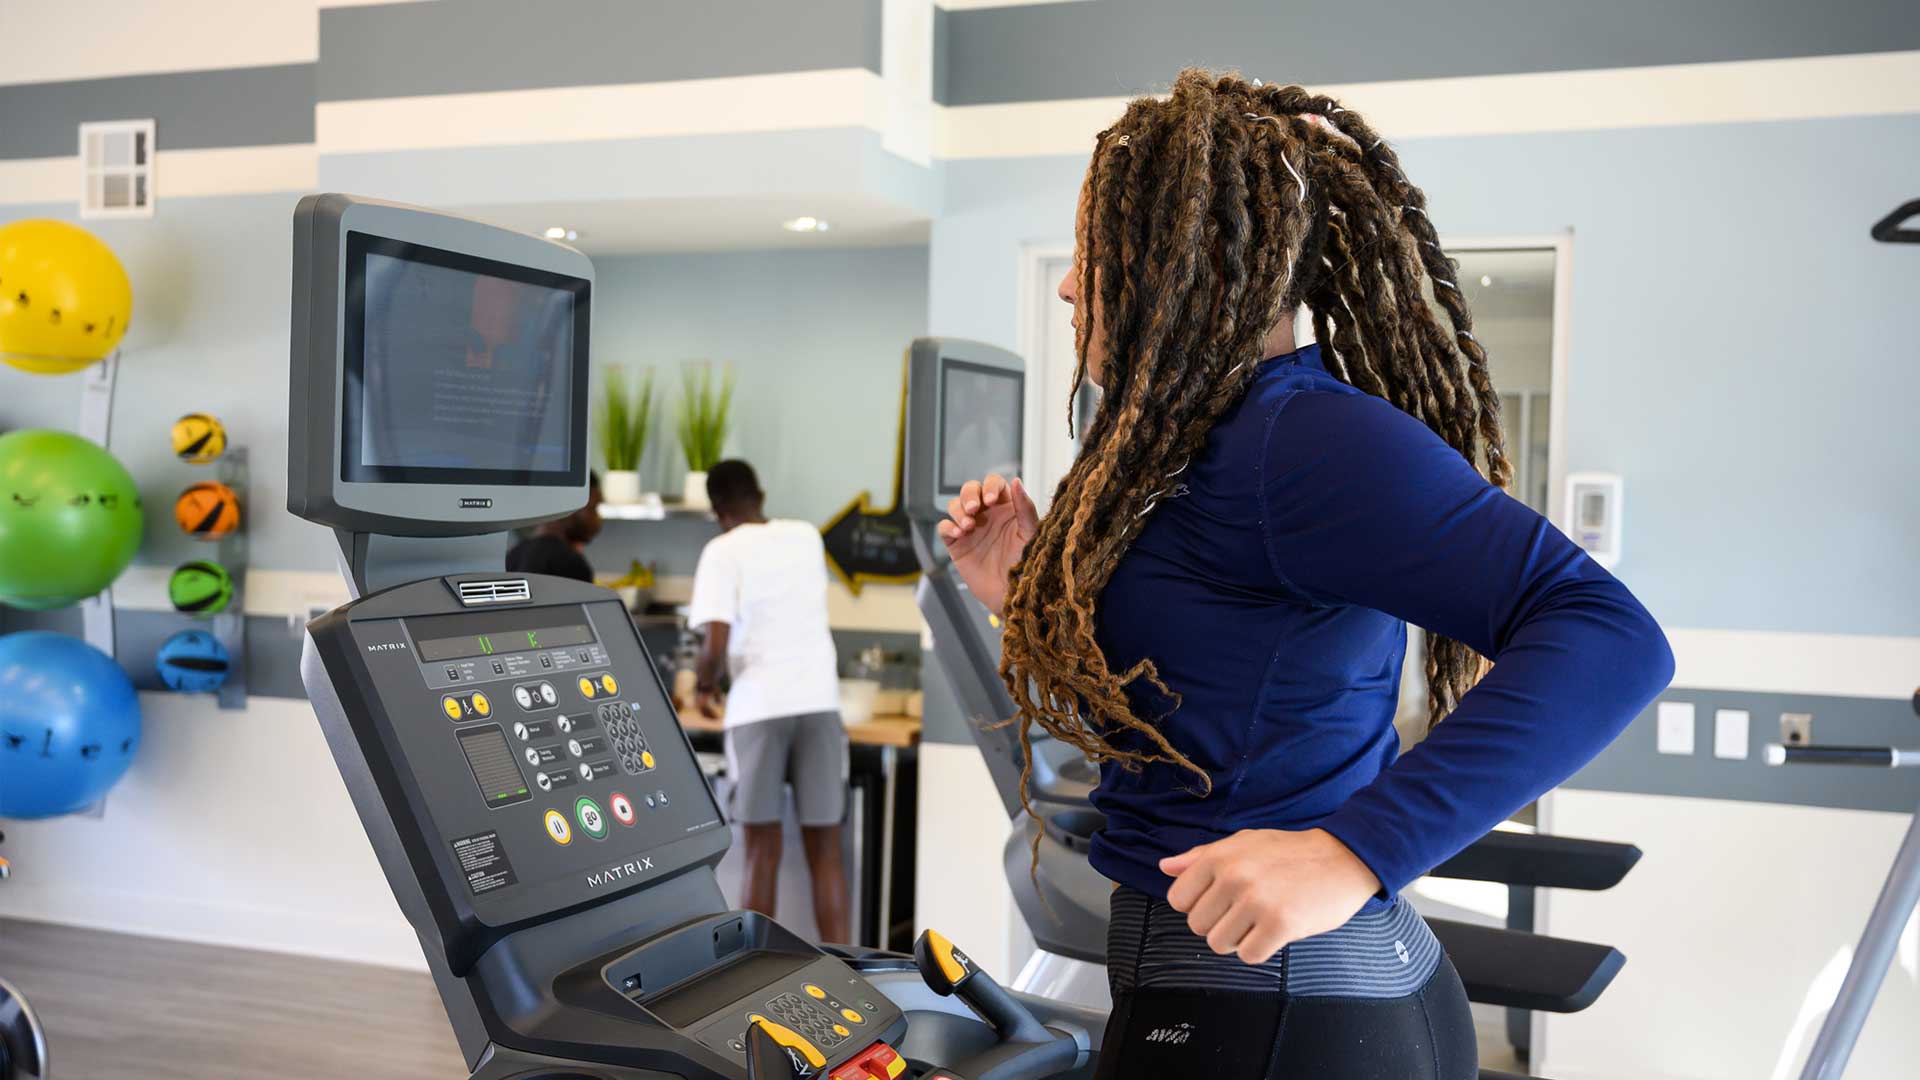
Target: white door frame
point(1561, 244)
point(1031, 330)
point(1035, 297)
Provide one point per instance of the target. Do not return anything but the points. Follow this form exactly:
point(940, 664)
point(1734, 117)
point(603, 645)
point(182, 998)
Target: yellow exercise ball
point(64, 297)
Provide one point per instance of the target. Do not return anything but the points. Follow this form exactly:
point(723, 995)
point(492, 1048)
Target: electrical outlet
point(1796, 728)
point(1730, 733)
point(1675, 727)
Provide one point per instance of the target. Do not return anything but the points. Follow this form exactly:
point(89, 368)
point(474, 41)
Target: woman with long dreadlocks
point(1214, 608)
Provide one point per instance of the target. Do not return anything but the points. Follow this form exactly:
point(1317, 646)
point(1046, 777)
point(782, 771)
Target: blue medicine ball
point(69, 724)
point(192, 661)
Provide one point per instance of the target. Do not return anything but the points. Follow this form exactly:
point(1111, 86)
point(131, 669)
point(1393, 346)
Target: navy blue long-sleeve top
point(1273, 597)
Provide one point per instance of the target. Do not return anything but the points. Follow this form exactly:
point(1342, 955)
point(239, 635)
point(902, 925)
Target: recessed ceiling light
point(1486, 281)
point(561, 232)
point(805, 223)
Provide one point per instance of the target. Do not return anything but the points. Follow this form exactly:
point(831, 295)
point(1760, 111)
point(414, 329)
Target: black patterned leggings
point(1376, 999)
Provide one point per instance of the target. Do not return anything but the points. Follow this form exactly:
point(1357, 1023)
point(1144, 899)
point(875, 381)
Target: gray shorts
point(807, 751)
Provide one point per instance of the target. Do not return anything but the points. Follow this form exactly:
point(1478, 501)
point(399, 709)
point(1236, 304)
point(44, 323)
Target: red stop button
point(622, 808)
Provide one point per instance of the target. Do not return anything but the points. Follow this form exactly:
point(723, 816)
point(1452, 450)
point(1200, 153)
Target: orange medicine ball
point(208, 510)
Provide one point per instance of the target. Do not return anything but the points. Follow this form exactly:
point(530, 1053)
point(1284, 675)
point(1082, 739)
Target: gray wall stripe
point(406, 50)
point(1633, 765)
point(1123, 47)
point(258, 106)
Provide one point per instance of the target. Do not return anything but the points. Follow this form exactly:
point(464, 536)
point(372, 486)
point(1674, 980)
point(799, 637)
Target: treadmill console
point(519, 760)
point(547, 764)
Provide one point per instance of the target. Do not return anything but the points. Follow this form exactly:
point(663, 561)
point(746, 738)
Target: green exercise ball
point(70, 519)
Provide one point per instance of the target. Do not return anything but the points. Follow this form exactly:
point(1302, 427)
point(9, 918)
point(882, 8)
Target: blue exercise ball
point(192, 661)
point(69, 724)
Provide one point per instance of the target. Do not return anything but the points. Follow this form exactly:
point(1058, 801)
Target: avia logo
point(618, 871)
point(468, 502)
point(388, 646)
point(1172, 1036)
point(1400, 950)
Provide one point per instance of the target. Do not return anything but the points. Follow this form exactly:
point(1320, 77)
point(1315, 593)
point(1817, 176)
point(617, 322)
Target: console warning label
point(484, 860)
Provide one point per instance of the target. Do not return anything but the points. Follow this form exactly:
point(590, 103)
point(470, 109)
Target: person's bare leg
point(763, 868)
point(829, 874)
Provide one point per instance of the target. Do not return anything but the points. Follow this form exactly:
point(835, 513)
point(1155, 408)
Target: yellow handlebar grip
point(786, 1036)
point(954, 966)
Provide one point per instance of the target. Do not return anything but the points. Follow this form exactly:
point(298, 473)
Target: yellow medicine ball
point(198, 438)
point(64, 298)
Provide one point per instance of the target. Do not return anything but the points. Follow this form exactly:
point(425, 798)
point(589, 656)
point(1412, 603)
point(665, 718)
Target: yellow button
point(841, 1030)
point(452, 705)
point(481, 705)
point(814, 991)
point(558, 828)
point(853, 1017)
point(586, 687)
point(607, 684)
point(646, 758)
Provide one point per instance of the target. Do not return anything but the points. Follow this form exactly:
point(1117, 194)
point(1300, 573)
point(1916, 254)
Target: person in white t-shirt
point(761, 593)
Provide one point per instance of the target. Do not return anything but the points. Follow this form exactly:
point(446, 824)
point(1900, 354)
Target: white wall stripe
point(242, 170)
point(1719, 93)
point(299, 593)
point(849, 97)
point(41, 180)
point(1768, 661)
point(177, 174)
point(100, 39)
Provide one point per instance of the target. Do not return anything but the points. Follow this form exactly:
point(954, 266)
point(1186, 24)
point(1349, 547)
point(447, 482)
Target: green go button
point(591, 819)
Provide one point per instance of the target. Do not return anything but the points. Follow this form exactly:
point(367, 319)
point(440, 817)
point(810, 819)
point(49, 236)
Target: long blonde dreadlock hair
point(1210, 215)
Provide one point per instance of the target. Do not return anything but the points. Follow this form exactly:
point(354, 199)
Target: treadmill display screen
point(460, 370)
point(980, 428)
point(493, 640)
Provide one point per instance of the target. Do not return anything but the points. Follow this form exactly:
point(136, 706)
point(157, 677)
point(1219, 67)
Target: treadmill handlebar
point(1541, 861)
point(950, 972)
point(1885, 757)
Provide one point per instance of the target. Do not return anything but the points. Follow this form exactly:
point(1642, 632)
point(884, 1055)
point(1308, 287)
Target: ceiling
point(647, 226)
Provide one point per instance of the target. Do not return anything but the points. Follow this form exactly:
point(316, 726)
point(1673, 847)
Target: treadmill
point(1064, 900)
point(508, 746)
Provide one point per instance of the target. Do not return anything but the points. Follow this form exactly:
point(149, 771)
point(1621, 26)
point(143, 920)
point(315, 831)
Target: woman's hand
point(1261, 889)
point(987, 528)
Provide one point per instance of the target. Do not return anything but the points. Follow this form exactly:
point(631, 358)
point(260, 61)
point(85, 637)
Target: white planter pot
point(695, 495)
point(620, 486)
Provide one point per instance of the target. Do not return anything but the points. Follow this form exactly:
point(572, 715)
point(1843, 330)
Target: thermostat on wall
point(1593, 515)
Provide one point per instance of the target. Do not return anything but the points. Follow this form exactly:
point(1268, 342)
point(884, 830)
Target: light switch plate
point(1731, 728)
point(1676, 727)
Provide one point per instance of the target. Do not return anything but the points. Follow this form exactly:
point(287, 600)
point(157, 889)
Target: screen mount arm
point(374, 561)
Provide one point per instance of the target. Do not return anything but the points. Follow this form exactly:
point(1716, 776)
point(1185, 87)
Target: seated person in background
point(554, 547)
point(761, 592)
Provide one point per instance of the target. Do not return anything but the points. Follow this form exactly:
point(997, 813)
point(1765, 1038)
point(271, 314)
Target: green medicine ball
point(70, 519)
point(200, 588)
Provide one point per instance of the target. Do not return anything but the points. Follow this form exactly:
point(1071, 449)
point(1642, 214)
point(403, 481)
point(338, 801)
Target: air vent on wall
point(503, 591)
point(116, 169)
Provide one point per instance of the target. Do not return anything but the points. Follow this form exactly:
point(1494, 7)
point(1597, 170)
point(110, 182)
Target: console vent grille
point(506, 591)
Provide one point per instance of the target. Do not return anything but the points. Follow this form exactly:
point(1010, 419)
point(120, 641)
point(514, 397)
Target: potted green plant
point(705, 402)
point(625, 418)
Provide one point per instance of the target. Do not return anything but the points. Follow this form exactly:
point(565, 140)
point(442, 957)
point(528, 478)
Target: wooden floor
point(118, 1007)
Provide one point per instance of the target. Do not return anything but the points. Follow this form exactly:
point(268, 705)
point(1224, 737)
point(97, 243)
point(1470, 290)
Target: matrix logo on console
point(468, 503)
point(387, 646)
point(618, 871)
